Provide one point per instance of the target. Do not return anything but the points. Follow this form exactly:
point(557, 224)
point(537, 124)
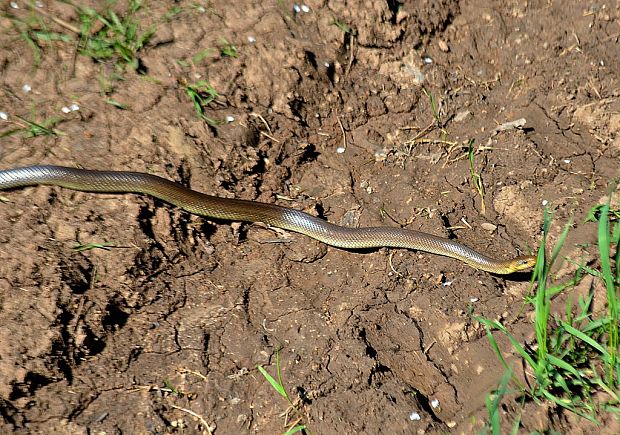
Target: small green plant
point(434, 106)
point(101, 36)
point(116, 104)
point(476, 178)
point(34, 128)
point(227, 49)
point(342, 26)
point(578, 357)
point(172, 389)
point(197, 58)
point(201, 94)
point(93, 245)
point(173, 12)
point(278, 385)
point(493, 401)
point(118, 39)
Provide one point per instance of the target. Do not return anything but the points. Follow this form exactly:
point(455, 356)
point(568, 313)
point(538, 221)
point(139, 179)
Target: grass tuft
point(294, 407)
point(574, 356)
point(30, 128)
point(201, 94)
point(118, 39)
point(227, 49)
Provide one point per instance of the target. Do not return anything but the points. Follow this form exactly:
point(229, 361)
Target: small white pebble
point(26, 88)
point(305, 8)
point(327, 64)
point(39, 4)
point(340, 150)
point(545, 202)
point(74, 107)
point(472, 300)
point(251, 39)
point(296, 8)
point(4, 116)
point(230, 118)
point(14, 5)
point(567, 161)
point(414, 416)
point(65, 109)
point(427, 60)
point(447, 283)
point(434, 403)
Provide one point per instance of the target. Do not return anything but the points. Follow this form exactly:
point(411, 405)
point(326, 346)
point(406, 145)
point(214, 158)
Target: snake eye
point(526, 262)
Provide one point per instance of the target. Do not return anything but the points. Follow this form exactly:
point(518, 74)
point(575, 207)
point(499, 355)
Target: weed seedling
point(278, 385)
point(227, 49)
point(342, 26)
point(32, 128)
point(202, 94)
point(119, 38)
point(476, 178)
point(93, 245)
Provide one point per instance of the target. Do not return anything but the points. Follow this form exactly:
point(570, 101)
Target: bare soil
point(177, 314)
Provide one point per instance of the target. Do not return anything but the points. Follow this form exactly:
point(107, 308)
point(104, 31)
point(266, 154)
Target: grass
point(29, 128)
point(278, 385)
point(201, 94)
point(476, 178)
point(100, 36)
point(492, 402)
point(227, 49)
point(93, 245)
point(116, 104)
point(575, 356)
point(434, 106)
point(343, 26)
point(118, 39)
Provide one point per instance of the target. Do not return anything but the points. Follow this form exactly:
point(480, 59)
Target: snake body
point(251, 211)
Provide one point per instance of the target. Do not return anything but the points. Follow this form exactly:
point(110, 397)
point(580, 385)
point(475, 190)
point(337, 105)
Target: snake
point(231, 209)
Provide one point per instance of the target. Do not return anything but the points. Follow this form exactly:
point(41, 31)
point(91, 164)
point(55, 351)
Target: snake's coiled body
point(250, 211)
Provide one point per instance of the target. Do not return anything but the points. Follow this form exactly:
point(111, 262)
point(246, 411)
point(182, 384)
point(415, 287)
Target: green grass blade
point(564, 365)
point(493, 405)
point(564, 403)
point(604, 242)
point(295, 429)
point(583, 337)
point(496, 325)
point(560, 242)
point(275, 384)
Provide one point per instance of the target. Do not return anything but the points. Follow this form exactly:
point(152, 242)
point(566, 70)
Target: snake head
point(524, 262)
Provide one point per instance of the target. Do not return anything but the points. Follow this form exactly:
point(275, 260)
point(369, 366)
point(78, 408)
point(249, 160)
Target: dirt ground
point(162, 331)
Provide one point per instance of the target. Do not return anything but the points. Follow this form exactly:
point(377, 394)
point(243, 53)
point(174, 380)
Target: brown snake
point(251, 211)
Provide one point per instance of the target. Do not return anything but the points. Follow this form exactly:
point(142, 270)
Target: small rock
point(488, 226)
point(443, 46)
point(462, 116)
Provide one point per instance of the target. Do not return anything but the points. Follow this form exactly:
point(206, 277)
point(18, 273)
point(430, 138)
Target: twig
point(206, 425)
point(344, 136)
point(55, 19)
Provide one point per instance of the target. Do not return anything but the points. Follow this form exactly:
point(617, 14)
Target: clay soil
point(329, 111)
